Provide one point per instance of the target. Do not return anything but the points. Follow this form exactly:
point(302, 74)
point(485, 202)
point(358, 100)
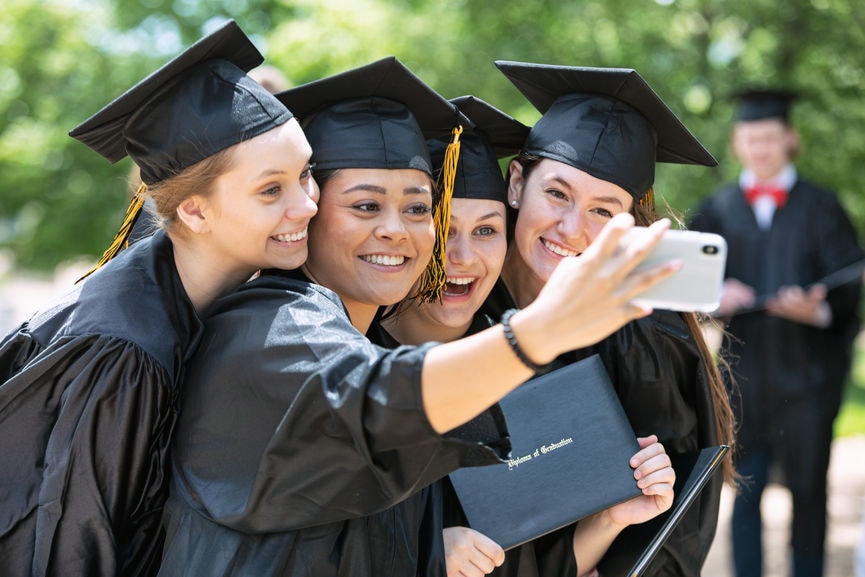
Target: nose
point(458, 250)
point(302, 203)
point(572, 226)
point(391, 226)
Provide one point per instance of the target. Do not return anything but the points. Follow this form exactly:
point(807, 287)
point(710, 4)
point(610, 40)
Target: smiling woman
point(89, 386)
point(373, 237)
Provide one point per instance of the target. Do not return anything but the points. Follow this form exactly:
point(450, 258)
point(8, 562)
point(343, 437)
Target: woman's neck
point(205, 275)
point(522, 284)
point(408, 328)
point(360, 314)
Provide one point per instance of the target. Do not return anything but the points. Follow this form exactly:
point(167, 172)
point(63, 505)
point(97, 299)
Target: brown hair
point(716, 370)
point(195, 179)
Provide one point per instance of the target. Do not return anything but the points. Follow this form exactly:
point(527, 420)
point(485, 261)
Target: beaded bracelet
point(512, 340)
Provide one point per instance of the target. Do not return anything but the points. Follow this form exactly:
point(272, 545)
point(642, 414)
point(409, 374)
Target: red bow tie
point(778, 194)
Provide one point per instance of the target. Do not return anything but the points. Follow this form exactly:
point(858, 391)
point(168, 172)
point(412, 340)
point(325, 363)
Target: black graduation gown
point(790, 376)
point(88, 402)
point(298, 438)
point(443, 508)
point(655, 367)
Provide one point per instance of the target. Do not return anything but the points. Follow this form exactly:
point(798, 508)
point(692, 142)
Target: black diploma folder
point(707, 462)
point(571, 443)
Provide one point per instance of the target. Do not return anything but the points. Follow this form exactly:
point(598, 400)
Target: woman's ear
point(192, 212)
point(515, 184)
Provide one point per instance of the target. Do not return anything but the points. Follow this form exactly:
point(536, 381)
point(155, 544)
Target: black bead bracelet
point(512, 340)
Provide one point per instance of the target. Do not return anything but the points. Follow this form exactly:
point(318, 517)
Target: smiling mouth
point(458, 287)
point(384, 260)
point(293, 237)
point(559, 250)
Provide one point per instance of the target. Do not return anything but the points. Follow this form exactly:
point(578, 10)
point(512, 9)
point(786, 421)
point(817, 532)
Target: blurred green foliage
point(62, 61)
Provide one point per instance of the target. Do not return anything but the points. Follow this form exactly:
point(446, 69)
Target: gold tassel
point(435, 277)
point(648, 202)
point(121, 239)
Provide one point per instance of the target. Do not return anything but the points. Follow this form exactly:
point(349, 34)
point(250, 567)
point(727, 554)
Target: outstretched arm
point(462, 378)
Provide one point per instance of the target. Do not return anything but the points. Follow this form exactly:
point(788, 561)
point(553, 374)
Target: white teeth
point(384, 259)
point(461, 280)
point(293, 237)
point(559, 250)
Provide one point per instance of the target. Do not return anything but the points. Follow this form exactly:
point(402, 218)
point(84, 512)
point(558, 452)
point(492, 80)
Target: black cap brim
point(103, 132)
point(543, 84)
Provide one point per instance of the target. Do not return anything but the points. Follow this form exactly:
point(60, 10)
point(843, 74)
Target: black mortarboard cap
point(374, 116)
point(605, 121)
point(197, 104)
point(493, 134)
point(760, 104)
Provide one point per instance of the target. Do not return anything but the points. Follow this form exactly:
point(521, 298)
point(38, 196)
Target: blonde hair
point(198, 178)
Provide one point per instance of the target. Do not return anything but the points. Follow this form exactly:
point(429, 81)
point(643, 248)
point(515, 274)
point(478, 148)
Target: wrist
point(520, 332)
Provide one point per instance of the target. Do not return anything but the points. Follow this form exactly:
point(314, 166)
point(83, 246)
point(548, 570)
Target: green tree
point(62, 61)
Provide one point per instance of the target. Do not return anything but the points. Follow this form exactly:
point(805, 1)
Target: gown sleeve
point(291, 418)
point(85, 470)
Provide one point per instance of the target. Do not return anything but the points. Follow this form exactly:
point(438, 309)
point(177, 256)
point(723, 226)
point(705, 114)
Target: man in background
point(792, 300)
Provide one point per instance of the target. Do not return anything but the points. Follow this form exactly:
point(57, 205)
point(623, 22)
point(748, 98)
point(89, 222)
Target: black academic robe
point(300, 443)
point(789, 376)
point(443, 509)
point(548, 555)
point(655, 367)
point(88, 402)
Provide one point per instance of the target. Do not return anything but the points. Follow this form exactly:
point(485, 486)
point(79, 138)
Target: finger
point(651, 465)
point(646, 441)
point(608, 241)
point(658, 463)
point(492, 550)
point(649, 447)
point(817, 292)
point(637, 247)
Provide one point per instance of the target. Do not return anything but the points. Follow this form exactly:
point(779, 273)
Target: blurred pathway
point(846, 502)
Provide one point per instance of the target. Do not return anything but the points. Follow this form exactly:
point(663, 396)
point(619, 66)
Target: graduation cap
point(760, 104)
point(197, 104)
point(374, 116)
point(379, 116)
point(605, 121)
point(493, 134)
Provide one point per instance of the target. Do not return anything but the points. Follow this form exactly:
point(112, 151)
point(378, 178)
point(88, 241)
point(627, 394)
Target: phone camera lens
point(710, 249)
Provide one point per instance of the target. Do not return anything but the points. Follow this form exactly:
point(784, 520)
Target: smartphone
point(697, 286)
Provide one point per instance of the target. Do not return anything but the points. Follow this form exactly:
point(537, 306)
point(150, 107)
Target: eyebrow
point(566, 184)
point(270, 172)
point(382, 190)
point(492, 214)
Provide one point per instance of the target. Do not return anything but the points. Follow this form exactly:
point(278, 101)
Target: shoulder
point(661, 329)
point(269, 293)
point(815, 193)
point(721, 202)
point(137, 297)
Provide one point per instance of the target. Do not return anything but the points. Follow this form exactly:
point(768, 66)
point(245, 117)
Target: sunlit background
point(61, 60)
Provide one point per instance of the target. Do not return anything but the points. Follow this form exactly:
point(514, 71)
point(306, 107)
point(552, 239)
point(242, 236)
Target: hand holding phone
point(698, 284)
